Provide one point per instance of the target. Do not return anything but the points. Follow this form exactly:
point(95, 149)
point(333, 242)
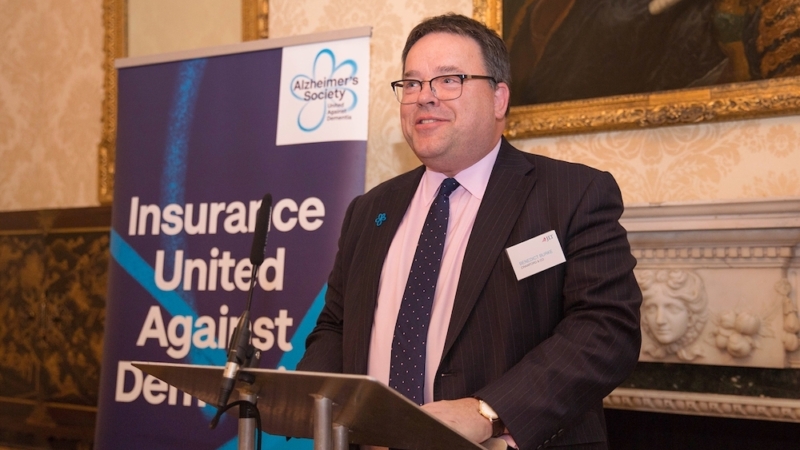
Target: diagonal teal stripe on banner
point(138, 268)
point(140, 271)
point(292, 357)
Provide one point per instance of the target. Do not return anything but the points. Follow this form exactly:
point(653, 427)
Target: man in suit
point(527, 357)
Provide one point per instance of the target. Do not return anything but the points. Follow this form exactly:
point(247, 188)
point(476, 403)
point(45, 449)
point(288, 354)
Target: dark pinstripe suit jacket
point(543, 351)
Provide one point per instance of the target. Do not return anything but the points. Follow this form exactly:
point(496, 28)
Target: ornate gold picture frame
point(772, 97)
point(255, 15)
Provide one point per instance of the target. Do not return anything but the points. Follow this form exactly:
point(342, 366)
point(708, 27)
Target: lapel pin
point(380, 219)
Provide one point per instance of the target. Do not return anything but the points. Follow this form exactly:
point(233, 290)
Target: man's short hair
point(495, 54)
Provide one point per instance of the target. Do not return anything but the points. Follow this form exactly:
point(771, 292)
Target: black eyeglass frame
point(461, 77)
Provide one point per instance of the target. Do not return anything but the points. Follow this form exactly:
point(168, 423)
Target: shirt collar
point(474, 178)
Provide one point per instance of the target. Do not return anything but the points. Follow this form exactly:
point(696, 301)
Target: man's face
point(449, 136)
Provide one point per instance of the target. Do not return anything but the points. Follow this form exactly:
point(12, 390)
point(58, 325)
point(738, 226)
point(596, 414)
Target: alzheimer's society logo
point(316, 91)
point(324, 90)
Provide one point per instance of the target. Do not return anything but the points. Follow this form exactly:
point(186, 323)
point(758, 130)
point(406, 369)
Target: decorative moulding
point(734, 406)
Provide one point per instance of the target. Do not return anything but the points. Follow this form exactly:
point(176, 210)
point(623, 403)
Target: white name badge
point(536, 254)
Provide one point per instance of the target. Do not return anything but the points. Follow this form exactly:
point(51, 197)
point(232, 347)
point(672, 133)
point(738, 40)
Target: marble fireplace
point(720, 324)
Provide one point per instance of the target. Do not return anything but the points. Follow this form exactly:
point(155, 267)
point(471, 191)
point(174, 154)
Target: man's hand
point(463, 416)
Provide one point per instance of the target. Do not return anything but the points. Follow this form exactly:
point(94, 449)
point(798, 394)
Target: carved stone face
point(668, 318)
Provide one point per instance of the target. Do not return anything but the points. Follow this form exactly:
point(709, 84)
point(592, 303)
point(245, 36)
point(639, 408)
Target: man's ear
point(501, 95)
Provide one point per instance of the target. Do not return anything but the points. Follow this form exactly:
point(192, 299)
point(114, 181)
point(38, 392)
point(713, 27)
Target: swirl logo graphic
point(327, 92)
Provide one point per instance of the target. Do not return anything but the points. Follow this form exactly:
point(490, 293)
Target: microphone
point(240, 351)
point(237, 357)
point(263, 222)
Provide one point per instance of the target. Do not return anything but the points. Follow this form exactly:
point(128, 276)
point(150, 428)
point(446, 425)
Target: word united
point(218, 269)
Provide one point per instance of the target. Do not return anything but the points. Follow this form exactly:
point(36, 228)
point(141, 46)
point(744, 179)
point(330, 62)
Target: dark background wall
point(635, 430)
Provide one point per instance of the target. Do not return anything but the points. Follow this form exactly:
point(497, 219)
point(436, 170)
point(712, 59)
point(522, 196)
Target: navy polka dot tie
point(407, 373)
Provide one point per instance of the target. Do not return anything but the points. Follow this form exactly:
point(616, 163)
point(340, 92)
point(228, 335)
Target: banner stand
point(202, 135)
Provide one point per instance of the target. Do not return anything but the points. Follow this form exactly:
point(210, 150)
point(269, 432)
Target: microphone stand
point(241, 352)
point(248, 411)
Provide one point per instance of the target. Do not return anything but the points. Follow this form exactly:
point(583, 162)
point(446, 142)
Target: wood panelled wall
point(53, 273)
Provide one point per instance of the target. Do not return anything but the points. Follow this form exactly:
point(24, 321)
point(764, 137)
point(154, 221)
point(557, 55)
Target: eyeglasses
point(444, 87)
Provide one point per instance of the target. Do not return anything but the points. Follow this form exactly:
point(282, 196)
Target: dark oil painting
point(581, 49)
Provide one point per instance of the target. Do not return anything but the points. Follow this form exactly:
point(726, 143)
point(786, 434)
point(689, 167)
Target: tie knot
point(448, 186)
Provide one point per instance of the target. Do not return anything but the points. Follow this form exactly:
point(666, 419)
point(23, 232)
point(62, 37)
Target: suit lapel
point(393, 203)
point(510, 183)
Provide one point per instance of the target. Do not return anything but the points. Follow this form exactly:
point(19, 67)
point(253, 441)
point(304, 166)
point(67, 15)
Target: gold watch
point(498, 428)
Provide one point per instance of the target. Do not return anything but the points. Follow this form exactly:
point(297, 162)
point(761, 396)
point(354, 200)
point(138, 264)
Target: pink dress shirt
point(464, 204)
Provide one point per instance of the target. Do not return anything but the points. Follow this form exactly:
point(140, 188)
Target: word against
point(184, 332)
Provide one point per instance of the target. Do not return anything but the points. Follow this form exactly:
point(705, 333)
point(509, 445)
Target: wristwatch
point(498, 427)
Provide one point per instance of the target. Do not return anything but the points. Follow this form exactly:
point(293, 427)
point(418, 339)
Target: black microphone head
point(262, 228)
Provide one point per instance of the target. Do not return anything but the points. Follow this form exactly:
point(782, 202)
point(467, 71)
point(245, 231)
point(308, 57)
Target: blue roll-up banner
point(202, 136)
